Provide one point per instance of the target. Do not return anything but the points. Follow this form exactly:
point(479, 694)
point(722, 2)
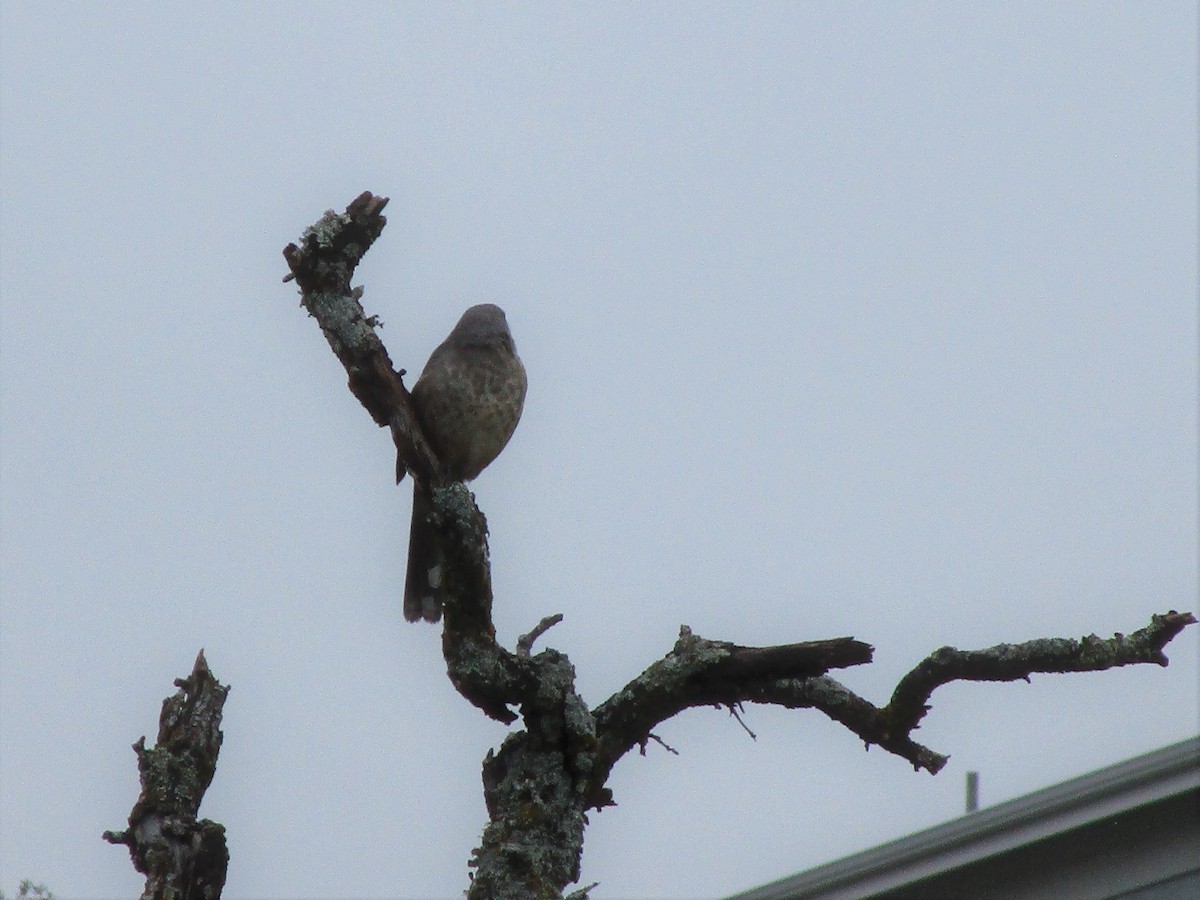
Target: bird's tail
point(423, 581)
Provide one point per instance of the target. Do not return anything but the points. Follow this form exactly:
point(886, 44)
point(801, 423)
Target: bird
point(468, 401)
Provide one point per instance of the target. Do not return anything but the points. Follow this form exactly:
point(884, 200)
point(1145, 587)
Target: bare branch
point(654, 737)
point(1011, 662)
point(323, 264)
point(845, 707)
point(180, 856)
point(735, 711)
point(582, 893)
point(525, 642)
point(700, 672)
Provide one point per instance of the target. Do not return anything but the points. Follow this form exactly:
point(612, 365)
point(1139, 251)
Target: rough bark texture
point(544, 779)
point(322, 264)
point(180, 856)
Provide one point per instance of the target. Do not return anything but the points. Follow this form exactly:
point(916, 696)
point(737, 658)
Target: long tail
point(423, 581)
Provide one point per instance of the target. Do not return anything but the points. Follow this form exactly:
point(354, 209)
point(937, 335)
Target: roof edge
point(1056, 809)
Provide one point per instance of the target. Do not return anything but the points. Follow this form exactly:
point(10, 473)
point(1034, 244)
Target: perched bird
point(468, 400)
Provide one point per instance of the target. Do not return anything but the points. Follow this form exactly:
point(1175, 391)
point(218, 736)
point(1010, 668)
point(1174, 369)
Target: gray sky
point(875, 320)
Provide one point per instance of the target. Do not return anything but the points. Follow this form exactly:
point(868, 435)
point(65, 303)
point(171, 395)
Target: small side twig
point(735, 711)
point(525, 642)
point(654, 737)
point(582, 893)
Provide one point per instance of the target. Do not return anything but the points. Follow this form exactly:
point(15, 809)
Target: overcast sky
point(873, 320)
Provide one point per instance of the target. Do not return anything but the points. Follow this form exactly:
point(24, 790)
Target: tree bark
point(180, 856)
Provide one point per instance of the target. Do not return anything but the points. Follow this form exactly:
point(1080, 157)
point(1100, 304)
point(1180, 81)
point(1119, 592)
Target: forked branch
point(707, 673)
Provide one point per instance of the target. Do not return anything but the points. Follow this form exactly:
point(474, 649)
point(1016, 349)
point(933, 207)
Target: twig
point(525, 641)
point(654, 737)
point(734, 711)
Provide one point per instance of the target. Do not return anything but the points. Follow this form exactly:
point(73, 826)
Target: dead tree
point(546, 777)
